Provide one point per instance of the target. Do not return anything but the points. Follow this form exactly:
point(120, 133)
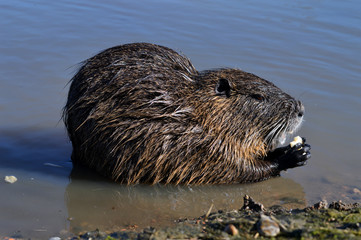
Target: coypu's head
point(251, 109)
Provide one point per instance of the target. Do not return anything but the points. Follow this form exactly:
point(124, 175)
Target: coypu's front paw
point(295, 156)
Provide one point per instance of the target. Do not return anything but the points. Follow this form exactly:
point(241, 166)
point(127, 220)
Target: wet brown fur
point(141, 113)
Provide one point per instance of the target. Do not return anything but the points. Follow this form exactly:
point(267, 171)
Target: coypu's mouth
point(281, 132)
point(280, 140)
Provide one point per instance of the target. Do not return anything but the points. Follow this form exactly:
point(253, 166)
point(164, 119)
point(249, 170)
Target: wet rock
point(321, 205)
point(10, 179)
point(231, 229)
point(277, 209)
point(340, 206)
point(317, 206)
point(267, 227)
point(250, 204)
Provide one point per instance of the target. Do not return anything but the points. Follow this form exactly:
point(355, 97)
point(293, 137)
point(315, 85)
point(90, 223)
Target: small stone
point(55, 238)
point(10, 179)
point(231, 229)
point(250, 204)
point(356, 191)
point(267, 227)
point(320, 205)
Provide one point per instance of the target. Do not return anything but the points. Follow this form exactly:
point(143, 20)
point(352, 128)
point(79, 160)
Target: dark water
point(311, 49)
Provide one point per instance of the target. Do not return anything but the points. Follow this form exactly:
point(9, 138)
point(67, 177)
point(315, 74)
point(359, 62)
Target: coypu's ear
point(223, 87)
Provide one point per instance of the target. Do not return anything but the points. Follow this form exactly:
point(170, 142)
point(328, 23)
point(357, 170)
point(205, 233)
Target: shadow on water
point(38, 151)
point(94, 202)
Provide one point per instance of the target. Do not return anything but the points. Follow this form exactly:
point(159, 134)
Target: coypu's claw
point(299, 154)
point(291, 157)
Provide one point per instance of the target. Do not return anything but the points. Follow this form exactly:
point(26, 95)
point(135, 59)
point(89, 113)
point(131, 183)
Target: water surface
point(310, 49)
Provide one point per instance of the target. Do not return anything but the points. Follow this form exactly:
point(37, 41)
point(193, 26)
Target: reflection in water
point(94, 202)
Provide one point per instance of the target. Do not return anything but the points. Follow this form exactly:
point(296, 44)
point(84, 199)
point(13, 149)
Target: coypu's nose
point(301, 109)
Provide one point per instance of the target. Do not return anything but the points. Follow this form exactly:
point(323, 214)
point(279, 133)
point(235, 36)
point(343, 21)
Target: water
point(310, 49)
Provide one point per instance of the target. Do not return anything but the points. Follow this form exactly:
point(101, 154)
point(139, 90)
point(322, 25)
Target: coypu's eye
point(223, 87)
point(258, 97)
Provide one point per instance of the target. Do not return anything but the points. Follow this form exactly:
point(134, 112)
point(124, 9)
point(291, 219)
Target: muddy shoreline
point(336, 220)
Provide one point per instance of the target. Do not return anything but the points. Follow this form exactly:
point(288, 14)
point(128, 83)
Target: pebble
point(55, 238)
point(231, 229)
point(10, 179)
point(320, 205)
point(267, 227)
point(356, 191)
point(250, 204)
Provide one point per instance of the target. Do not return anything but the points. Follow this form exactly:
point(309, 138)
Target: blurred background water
point(310, 49)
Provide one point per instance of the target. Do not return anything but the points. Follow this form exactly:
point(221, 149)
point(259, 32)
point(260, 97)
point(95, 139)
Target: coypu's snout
point(288, 126)
point(294, 123)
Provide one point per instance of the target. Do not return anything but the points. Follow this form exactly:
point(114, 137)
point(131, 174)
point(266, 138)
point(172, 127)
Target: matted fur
point(141, 113)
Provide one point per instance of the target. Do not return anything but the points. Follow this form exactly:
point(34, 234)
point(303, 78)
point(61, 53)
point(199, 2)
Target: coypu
point(142, 113)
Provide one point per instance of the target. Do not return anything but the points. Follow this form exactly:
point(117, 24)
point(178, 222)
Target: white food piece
point(10, 179)
point(296, 140)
